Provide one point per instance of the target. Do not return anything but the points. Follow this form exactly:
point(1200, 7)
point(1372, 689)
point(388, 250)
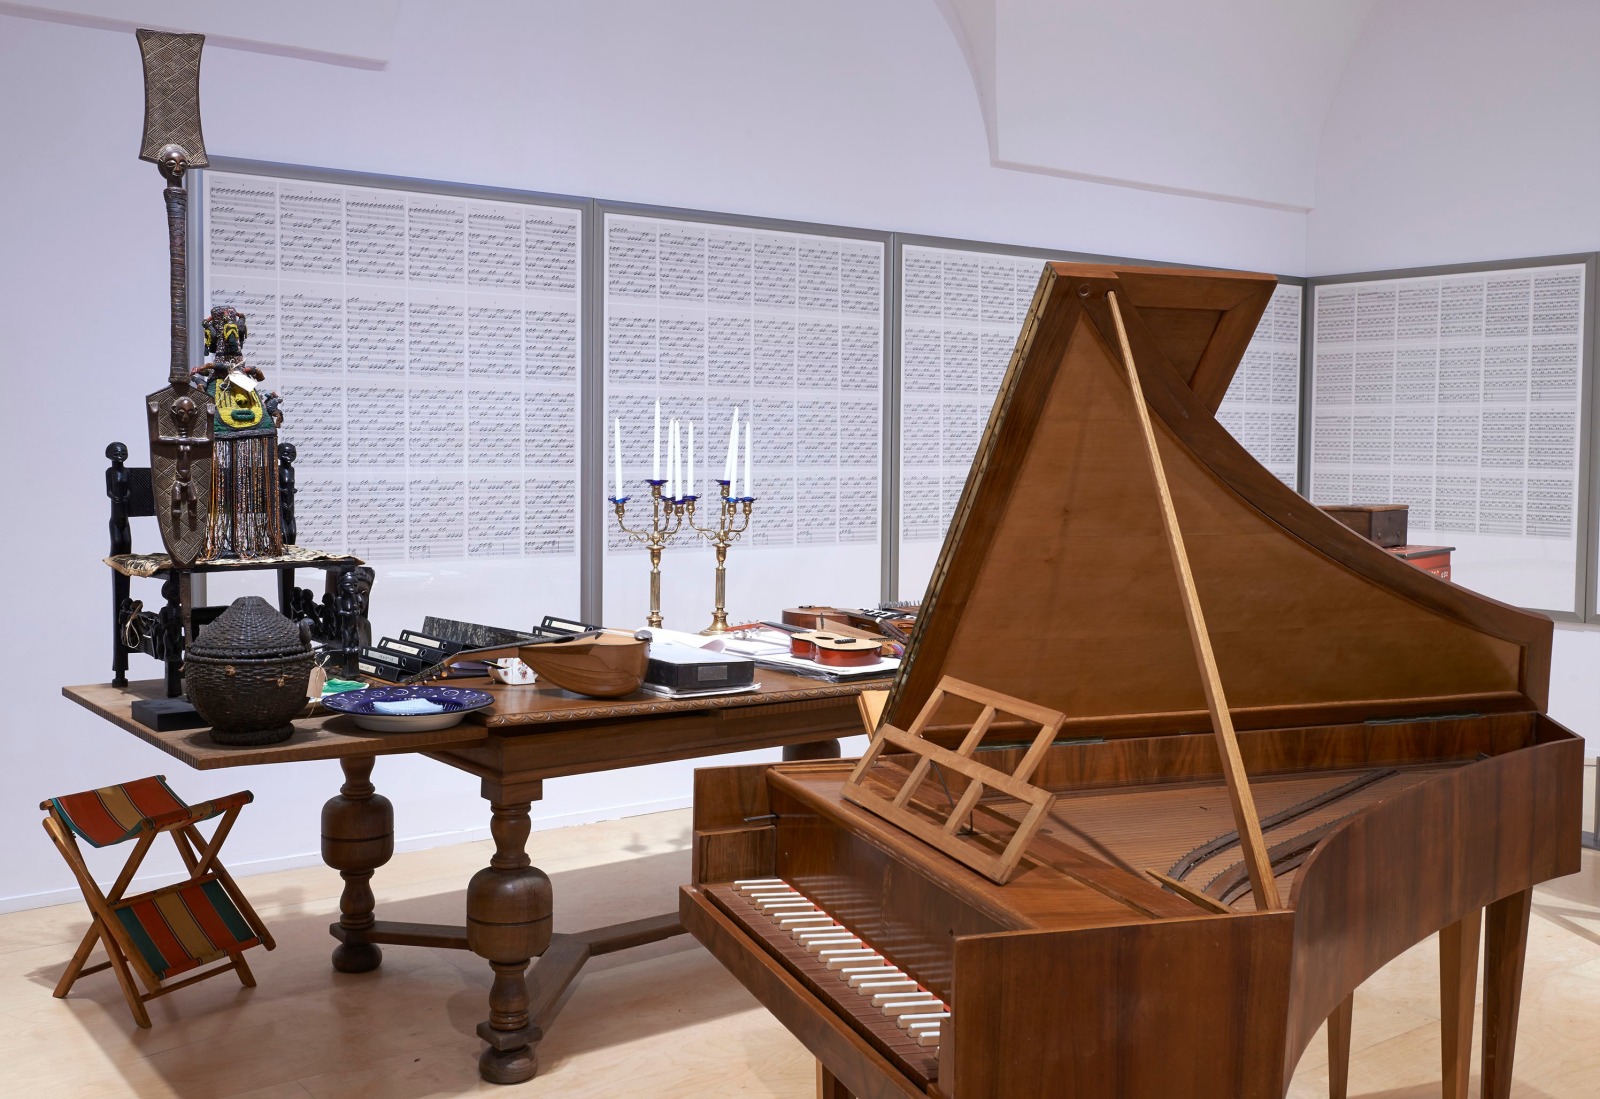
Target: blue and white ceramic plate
point(457, 703)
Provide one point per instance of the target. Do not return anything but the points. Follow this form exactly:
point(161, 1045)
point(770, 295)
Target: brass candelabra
point(666, 518)
point(732, 520)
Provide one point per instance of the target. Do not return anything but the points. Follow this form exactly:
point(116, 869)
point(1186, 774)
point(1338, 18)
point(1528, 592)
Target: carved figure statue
point(245, 515)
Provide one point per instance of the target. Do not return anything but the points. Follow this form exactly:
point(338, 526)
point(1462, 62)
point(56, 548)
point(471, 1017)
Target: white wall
point(1465, 130)
point(832, 111)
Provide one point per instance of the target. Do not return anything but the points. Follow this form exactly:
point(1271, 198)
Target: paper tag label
point(240, 380)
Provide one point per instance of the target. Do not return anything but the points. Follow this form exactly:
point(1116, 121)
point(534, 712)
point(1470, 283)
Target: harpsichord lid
point(1055, 583)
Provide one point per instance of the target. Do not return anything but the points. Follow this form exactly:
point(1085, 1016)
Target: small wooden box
point(1434, 560)
point(1384, 524)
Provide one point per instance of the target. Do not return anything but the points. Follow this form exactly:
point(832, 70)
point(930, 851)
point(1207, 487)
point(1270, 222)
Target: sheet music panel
point(960, 313)
point(1262, 405)
point(427, 350)
point(1459, 395)
point(788, 327)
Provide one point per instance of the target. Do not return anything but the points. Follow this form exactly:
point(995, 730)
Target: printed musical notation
point(788, 328)
point(1262, 406)
point(427, 350)
point(1457, 395)
point(960, 312)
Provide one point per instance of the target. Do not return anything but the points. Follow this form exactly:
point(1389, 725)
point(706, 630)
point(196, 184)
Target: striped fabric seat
point(113, 814)
point(163, 932)
point(184, 926)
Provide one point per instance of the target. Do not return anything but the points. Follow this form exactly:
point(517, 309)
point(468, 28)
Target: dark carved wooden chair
point(338, 619)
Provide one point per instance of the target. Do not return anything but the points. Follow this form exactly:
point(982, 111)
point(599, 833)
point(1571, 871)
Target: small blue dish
point(457, 703)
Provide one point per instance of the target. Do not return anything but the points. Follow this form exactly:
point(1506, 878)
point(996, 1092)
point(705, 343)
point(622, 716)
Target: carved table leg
point(1505, 947)
point(357, 838)
point(508, 924)
point(1458, 993)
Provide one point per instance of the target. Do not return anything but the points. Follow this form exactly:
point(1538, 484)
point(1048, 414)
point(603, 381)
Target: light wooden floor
point(661, 1021)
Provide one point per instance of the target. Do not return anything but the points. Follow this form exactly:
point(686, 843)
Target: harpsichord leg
point(1339, 1048)
point(1458, 991)
point(357, 838)
point(1505, 946)
point(828, 1086)
point(508, 924)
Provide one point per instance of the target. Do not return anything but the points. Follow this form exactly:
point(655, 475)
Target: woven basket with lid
point(247, 673)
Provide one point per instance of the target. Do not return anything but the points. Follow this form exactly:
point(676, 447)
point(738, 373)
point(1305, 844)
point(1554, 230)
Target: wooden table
point(528, 735)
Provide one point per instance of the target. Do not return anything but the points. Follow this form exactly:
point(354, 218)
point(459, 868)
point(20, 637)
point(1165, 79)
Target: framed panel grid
point(1463, 392)
point(427, 346)
point(786, 324)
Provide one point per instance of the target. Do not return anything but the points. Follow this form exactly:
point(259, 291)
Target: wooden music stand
point(997, 868)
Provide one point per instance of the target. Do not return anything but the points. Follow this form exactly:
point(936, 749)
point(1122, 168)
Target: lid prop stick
point(180, 416)
point(1246, 819)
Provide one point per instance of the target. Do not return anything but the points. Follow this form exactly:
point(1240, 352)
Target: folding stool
point(163, 932)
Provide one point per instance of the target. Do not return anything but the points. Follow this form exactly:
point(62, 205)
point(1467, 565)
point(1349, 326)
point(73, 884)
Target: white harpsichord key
point(841, 963)
point(830, 928)
point(922, 1006)
point(905, 1021)
point(761, 883)
point(853, 946)
point(874, 987)
point(817, 942)
point(881, 998)
point(857, 974)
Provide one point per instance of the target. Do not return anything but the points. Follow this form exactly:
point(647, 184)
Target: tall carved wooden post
point(357, 838)
point(508, 924)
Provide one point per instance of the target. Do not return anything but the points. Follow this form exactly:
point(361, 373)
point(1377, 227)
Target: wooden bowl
point(606, 665)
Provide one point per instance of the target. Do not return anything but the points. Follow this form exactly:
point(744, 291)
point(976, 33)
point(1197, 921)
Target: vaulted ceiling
point(1224, 99)
point(1218, 98)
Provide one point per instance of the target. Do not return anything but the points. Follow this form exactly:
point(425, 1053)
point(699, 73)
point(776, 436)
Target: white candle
point(672, 450)
point(677, 460)
point(689, 480)
point(747, 490)
point(655, 447)
point(616, 440)
point(733, 447)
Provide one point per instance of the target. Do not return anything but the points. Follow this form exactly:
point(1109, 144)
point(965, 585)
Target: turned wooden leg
point(1505, 947)
point(357, 838)
point(1339, 1048)
point(828, 1086)
point(1458, 992)
point(508, 924)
